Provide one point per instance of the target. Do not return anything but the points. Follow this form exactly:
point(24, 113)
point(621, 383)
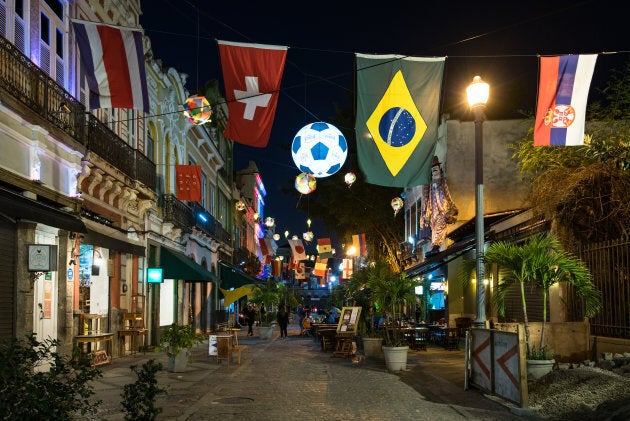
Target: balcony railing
point(210, 225)
point(177, 212)
point(32, 87)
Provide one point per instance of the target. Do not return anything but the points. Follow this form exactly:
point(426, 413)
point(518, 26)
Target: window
point(44, 29)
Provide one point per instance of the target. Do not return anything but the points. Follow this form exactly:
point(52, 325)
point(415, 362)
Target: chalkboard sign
point(99, 357)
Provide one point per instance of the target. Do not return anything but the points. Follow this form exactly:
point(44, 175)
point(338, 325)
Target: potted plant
point(540, 262)
point(392, 291)
point(356, 291)
point(266, 296)
point(176, 341)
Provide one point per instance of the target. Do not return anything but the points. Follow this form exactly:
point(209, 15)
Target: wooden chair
point(422, 337)
point(451, 339)
point(239, 350)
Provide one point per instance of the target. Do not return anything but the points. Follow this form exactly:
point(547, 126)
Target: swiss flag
point(252, 74)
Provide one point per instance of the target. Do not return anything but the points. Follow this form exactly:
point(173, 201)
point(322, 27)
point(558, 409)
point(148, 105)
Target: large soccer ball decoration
point(319, 149)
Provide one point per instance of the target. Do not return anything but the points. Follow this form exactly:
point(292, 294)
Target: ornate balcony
point(36, 96)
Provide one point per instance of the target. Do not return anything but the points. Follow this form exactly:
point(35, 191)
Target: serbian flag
point(358, 241)
point(113, 62)
point(188, 182)
point(324, 249)
point(346, 268)
point(300, 273)
point(562, 96)
point(297, 250)
point(251, 74)
point(320, 267)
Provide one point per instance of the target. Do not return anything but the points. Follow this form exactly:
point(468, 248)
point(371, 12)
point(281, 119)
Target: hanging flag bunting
point(252, 74)
point(297, 250)
point(300, 273)
point(562, 97)
point(276, 267)
point(347, 269)
point(113, 61)
point(358, 241)
point(267, 248)
point(324, 248)
point(320, 267)
point(188, 182)
point(398, 104)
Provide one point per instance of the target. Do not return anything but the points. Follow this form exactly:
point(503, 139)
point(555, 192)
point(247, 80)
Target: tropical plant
point(37, 383)
point(138, 398)
point(391, 292)
point(584, 188)
point(541, 263)
point(266, 296)
point(177, 337)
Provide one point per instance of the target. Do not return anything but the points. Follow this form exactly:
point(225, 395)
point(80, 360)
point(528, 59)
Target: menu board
point(349, 320)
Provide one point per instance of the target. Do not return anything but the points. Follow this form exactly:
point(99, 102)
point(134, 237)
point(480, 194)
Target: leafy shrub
point(38, 383)
point(138, 399)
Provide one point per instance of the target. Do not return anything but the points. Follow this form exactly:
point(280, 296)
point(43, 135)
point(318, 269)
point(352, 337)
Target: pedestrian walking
point(300, 314)
point(250, 314)
point(283, 320)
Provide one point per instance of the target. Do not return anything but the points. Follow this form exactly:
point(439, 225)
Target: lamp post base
point(479, 324)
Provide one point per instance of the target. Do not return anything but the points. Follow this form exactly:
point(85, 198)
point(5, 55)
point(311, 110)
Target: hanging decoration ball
point(319, 149)
point(350, 178)
point(197, 109)
point(308, 236)
point(276, 236)
point(240, 206)
point(269, 222)
point(397, 204)
point(305, 183)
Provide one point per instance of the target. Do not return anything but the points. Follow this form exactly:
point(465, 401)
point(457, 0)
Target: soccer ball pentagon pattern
point(319, 149)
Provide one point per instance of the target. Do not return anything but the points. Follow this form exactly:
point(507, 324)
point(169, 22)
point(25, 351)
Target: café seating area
point(418, 336)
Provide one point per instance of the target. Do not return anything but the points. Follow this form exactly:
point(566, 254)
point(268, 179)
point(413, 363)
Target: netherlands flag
point(113, 61)
point(562, 96)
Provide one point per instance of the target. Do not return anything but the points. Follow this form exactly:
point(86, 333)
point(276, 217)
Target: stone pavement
point(289, 379)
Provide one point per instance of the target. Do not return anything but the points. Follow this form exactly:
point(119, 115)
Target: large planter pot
point(538, 368)
point(395, 357)
point(179, 362)
point(266, 332)
point(372, 347)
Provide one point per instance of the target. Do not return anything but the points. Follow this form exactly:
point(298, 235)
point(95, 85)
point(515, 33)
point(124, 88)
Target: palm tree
point(541, 263)
point(392, 291)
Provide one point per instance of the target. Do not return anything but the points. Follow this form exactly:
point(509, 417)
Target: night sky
point(498, 40)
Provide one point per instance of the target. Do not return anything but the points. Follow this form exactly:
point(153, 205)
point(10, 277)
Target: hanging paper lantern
point(305, 183)
point(350, 178)
point(276, 237)
point(397, 204)
point(240, 206)
point(319, 149)
point(308, 236)
point(197, 109)
point(269, 222)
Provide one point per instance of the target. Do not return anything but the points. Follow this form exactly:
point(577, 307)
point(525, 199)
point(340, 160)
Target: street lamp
point(477, 93)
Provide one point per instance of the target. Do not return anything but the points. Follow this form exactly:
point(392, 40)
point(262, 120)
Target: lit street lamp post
point(477, 93)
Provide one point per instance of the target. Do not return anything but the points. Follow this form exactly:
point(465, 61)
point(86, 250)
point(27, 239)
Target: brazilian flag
point(398, 105)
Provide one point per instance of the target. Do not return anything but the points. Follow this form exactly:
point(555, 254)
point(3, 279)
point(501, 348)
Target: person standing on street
point(250, 314)
point(283, 320)
point(300, 315)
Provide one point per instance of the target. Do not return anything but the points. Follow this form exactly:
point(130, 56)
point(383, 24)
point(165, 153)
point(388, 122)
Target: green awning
point(232, 277)
point(177, 266)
